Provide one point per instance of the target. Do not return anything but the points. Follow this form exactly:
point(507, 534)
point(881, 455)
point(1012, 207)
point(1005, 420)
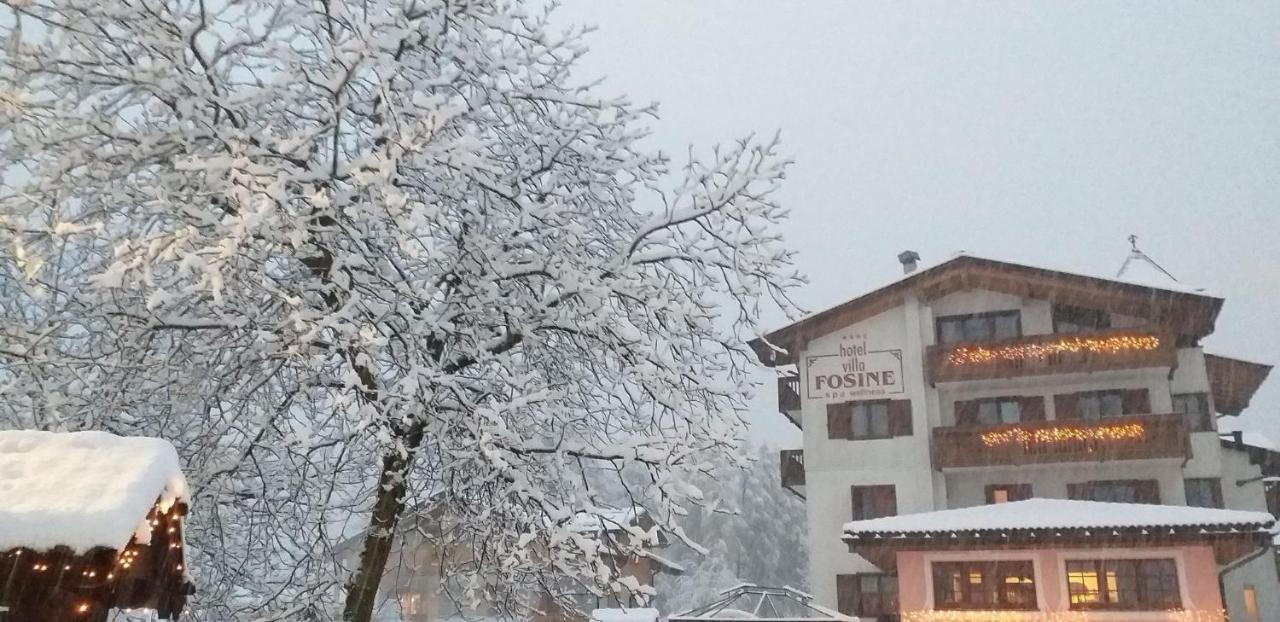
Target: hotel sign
point(854, 371)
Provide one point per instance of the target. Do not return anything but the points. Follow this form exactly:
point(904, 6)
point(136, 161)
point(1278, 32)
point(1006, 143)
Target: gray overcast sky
point(1036, 132)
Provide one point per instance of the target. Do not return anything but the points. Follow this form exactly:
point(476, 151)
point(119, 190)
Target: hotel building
point(1086, 404)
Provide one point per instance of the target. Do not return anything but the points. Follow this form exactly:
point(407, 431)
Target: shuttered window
point(999, 410)
point(1195, 407)
point(1116, 491)
point(1203, 492)
point(874, 501)
point(867, 595)
point(869, 419)
point(1094, 405)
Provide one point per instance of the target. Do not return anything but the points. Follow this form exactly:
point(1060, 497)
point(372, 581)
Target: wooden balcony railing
point(789, 398)
point(792, 468)
point(1128, 437)
point(1050, 354)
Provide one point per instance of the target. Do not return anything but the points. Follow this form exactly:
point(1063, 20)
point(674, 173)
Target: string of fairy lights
point(1172, 615)
point(1064, 434)
point(1111, 344)
point(88, 583)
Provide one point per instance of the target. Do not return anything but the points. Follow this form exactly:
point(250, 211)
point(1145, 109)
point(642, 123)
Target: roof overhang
point(1182, 313)
point(1233, 382)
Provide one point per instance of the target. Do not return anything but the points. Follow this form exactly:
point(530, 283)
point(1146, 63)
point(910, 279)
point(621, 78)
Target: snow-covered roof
point(606, 519)
point(624, 615)
point(1136, 277)
point(1227, 426)
point(1058, 514)
point(1139, 269)
point(82, 489)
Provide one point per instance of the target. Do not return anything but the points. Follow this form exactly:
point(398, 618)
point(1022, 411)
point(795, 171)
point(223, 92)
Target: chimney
point(909, 261)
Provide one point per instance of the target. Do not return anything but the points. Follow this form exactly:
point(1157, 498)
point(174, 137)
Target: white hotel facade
point(978, 381)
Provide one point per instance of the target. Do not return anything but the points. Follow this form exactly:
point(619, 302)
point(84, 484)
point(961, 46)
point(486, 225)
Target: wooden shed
point(90, 522)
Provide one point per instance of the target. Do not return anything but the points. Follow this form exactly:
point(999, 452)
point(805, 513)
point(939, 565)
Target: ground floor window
point(872, 595)
point(1123, 584)
point(984, 585)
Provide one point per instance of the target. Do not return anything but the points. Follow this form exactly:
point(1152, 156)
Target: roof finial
point(1133, 241)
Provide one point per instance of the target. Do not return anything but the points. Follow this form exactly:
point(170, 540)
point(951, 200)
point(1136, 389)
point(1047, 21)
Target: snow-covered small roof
point(1227, 426)
point(606, 519)
point(624, 615)
point(1058, 514)
point(82, 489)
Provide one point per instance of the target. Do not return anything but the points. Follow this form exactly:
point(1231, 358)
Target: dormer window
point(1068, 319)
point(992, 326)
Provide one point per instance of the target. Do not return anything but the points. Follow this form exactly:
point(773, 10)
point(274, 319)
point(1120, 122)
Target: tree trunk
point(362, 591)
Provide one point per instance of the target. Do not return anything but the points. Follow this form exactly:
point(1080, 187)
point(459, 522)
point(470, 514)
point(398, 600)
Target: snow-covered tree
point(357, 256)
point(752, 531)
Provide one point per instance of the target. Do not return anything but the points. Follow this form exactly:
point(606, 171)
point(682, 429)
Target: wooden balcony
point(789, 398)
point(1033, 355)
point(792, 463)
point(1128, 437)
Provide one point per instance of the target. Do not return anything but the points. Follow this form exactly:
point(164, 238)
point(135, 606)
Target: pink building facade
point(1053, 560)
point(1195, 568)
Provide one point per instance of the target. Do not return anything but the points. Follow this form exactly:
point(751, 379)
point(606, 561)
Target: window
point(874, 502)
point(999, 410)
point(979, 327)
point(1123, 584)
point(1004, 493)
point(1116, 491)
point(984, 585)
point(1195, 407)
point(1251, 604)
point(1204, 492)
point(1079, 319)
point(1094, 405)
point(869, 419)
point(867, 595)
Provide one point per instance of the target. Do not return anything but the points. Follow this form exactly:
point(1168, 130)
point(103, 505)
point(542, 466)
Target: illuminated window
point(984, 585)
point(1123, 584)
point(1004, 493)
point(1251, 604)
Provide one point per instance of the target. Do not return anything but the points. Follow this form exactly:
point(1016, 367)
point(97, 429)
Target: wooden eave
point(1179, 313)
point(1233, 382)
point(1229, 542)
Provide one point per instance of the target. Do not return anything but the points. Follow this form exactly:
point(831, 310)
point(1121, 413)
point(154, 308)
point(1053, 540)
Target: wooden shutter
point(1135, 402)
point(840, 420)
point(886, 500)
point(847, 593)
point(1031, 408)
point(1065, 406)
point(900, 417)
point(967, 412)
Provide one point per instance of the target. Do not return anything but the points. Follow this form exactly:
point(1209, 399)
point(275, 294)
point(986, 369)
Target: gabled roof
point(1179, 309)
point(1233, 382)
point(82, 490)
point(1058, 514)
point(1140, 269)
